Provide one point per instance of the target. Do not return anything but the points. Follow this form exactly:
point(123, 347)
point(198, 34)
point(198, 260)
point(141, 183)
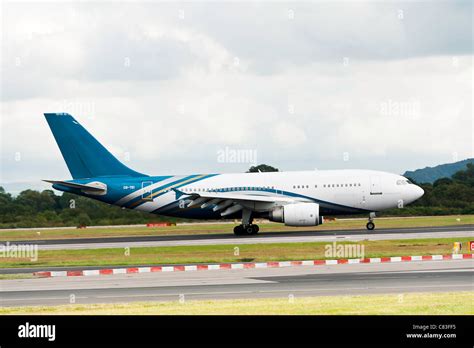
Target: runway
point(398, 278)
point(262, 238)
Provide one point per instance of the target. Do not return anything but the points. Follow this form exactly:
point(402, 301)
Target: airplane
point(297, 198)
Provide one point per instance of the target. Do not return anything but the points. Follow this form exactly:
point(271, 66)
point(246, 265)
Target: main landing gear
point(246, 228)
point(243, 230)
point(371, 225)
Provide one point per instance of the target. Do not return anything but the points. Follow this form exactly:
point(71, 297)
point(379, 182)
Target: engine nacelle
point(297, 214)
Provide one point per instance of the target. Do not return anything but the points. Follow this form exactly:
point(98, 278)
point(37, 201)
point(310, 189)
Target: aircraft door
point(375, 185)
point(147, 190)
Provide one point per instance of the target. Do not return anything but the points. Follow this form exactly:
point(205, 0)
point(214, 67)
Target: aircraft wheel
point(249, 229)
point(252, 229)
point(245, 231)
point(370, 225)
point(239, 230)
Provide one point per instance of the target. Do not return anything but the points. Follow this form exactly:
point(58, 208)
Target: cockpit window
point(404, 182)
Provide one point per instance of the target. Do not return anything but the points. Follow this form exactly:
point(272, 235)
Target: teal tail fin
point(84, 155)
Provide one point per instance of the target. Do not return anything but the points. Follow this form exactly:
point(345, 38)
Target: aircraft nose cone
point(418, 192)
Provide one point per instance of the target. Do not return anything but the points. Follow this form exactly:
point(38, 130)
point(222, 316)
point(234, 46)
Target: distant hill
point(431, 174)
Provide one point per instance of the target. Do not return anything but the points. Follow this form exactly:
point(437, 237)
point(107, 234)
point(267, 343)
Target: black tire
point(252, 230)
point(239, 230)
point(249, 229)
point(370, 226)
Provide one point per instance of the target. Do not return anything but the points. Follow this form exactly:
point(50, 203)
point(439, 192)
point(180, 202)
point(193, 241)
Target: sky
point(210, 87)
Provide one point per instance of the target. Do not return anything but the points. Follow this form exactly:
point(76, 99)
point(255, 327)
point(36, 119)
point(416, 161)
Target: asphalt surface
point(425, 276)
point(266, 237)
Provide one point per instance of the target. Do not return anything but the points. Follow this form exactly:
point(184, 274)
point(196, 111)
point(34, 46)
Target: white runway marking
point(269, 240)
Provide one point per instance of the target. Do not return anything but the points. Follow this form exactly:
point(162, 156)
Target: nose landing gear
point(370, 224)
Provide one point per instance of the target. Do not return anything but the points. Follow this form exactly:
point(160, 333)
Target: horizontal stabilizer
point(85, 187)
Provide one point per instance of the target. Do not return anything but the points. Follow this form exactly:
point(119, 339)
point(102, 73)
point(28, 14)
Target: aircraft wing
point(229, 202)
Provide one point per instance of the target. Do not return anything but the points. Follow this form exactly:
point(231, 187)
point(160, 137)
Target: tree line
point(32, 208)
point(446, 196)
point(46, 209)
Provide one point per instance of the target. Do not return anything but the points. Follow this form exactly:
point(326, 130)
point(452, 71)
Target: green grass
point(17, 276)
point(358, 224)
point(227, 253)
point(449, 303)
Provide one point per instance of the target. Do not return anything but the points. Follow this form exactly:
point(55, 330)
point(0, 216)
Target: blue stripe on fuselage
point(173, 208)
point(137, 199)
point(136, 202)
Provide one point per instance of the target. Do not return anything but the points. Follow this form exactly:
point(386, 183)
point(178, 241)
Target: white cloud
point(288, 135)
point(244, 76)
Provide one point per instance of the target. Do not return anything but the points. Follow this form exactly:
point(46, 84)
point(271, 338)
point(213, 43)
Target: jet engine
point(297, 214)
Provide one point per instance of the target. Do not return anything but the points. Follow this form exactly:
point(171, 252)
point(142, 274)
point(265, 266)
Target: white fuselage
point(337, 191)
